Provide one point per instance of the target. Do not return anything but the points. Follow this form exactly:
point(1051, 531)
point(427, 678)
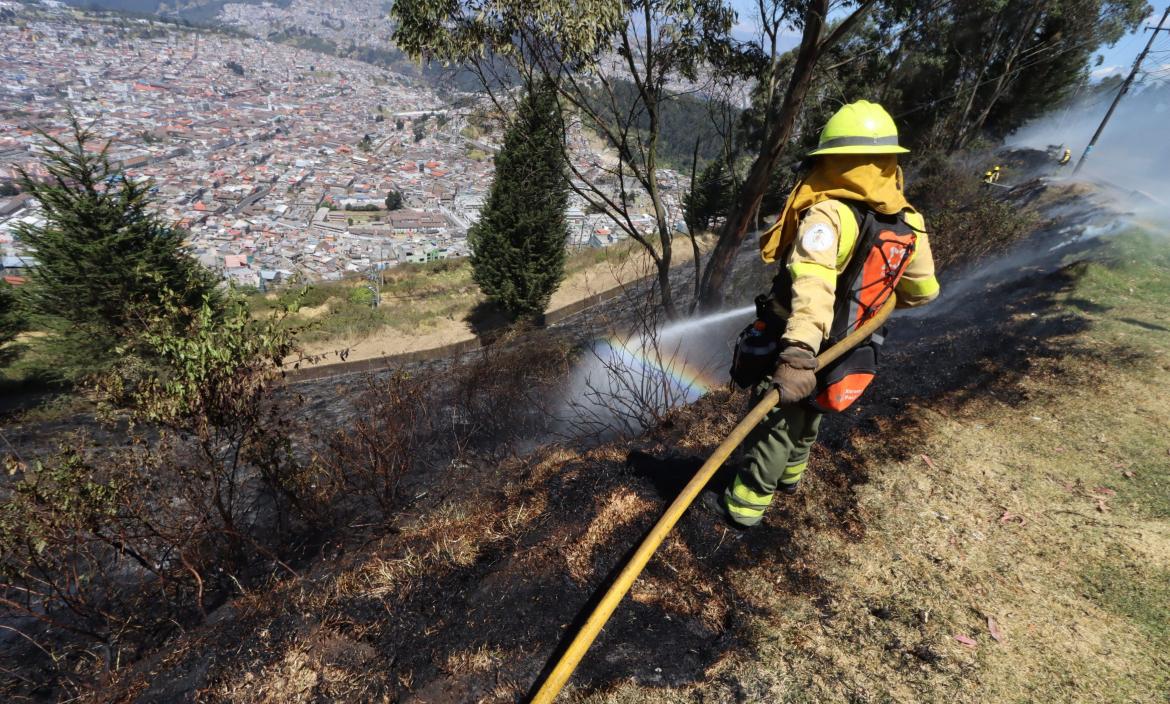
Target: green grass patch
point(615, 255)
point(413, 296)
point(1143, 470)
point(1137, 593)
point(1125, 292)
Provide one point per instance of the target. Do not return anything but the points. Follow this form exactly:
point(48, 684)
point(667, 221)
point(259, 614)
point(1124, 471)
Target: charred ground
point(475, 583)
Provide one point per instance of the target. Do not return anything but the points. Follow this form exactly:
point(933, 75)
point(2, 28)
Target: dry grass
point(381, 577)
point(323, 666)
point(684, 588)
point(473, 660)
point(618, 509)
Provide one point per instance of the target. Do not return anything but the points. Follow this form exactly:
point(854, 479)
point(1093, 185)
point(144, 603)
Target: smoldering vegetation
point(1133, 153)
point(385, 499)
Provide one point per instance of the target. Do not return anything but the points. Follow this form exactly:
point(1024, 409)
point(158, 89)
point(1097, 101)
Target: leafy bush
point(361, 296)
point(119, 546)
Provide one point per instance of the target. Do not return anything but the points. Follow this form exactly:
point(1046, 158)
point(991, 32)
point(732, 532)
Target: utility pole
point(1124, 87)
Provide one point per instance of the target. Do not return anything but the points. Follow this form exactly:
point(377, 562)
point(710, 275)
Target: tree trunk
point(991, 47)
point(893, 60)
point(665, 241)
point(692, 229)
point(735, 228)
point(664, 286)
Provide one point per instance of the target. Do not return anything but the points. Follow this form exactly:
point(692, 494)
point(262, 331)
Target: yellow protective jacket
point(826, 237)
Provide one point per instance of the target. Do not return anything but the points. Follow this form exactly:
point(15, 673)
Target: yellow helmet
point(859, 128)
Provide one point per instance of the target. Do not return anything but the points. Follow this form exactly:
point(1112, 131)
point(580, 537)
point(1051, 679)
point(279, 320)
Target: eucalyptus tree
point(591, 51)
point(782, 109)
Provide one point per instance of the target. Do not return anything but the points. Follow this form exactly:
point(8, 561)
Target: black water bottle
point(756, 353)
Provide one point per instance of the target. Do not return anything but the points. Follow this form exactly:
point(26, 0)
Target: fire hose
point(569, 660)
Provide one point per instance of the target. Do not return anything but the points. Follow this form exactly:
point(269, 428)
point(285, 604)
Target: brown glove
point(795, 376)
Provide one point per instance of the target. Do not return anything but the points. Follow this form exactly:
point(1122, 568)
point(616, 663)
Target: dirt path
point(592, 280)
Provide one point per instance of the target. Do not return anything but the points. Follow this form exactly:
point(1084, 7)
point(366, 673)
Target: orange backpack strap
point(884, 246)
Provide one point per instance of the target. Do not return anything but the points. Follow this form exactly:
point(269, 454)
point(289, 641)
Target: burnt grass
point(537, 542)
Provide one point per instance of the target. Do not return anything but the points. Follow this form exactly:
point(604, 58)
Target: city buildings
point(277, 160)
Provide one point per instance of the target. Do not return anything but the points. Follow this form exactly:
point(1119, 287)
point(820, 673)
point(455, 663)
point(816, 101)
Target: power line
point(1137, 65)
point(1076, 47)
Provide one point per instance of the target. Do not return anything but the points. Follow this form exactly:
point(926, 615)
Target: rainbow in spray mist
point(686, 378)
point(627, 381)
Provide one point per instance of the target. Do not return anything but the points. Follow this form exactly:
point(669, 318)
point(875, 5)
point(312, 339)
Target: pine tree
point(11, 323)
point(104, 259)
point(518, 245)
point(710, 199)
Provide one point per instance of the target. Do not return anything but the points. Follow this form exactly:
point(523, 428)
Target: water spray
point(629, 380)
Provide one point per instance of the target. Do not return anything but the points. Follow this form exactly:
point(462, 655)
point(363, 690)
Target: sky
point(1117, 59)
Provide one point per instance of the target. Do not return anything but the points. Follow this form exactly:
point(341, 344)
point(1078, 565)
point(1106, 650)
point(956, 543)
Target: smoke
point(1133, 153)
point(1130, 167)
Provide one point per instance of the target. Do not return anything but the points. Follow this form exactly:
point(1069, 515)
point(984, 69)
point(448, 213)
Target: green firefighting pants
point(775, 454)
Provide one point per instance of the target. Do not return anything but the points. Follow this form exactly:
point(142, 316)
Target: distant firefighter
point(1066, 157)
point(995, 174)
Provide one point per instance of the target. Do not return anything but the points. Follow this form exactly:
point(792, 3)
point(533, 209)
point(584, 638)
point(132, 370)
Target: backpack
point(885, 244)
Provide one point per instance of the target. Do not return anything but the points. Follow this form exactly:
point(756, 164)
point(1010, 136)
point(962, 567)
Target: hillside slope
point(993, 524)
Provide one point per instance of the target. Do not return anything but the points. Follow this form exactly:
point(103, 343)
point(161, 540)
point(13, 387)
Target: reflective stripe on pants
point(746, 505)
point(793, 473)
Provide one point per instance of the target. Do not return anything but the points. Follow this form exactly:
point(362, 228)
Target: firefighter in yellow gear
point(988, 176)
point(845, 231)
point(995, 174)
point(1066, 157)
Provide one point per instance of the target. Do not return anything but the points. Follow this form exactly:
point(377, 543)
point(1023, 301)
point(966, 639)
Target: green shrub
point(361, 296)
point(967, 219)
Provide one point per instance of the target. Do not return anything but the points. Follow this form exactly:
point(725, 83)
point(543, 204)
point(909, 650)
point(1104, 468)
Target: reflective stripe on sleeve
point(923, 288)
point(848, 234)
point(826, 274)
